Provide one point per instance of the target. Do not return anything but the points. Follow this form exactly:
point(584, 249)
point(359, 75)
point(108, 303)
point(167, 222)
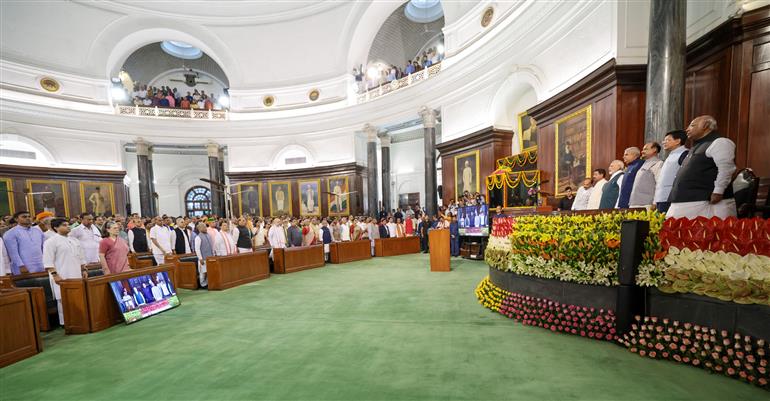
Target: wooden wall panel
point(353, 172)
point(604, 137)
point(491, 143)
point(72, 178)
point(758, 138)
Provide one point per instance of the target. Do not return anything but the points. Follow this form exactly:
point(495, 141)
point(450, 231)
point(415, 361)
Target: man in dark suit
point(294, 234)
point(422, 231)
point(383, 229)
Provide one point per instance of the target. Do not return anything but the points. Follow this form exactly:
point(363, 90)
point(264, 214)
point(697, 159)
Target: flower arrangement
point(557, 317)
point(733, 235)
point(726, 276)
point(577, 248)
point(740, 357)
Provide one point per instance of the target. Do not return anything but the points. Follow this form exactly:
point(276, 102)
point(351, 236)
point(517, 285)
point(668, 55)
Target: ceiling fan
point(190, 78)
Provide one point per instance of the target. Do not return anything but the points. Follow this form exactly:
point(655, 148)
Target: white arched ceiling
point(368, 25)
point(14, 142)
point(113, 47)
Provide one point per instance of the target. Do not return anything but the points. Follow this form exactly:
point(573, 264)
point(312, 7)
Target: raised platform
point(594, 296)
point(294, 259)
point(396, 246)
point(349, 251)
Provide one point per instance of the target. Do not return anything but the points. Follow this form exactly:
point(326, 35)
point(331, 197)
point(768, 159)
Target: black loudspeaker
point(632, 236)
point(630, 303)
point(440, 191)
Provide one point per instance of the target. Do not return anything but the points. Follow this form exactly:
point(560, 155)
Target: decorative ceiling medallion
point(487, 17)
point(268, 100)
point(49, 84)
point(313, 95)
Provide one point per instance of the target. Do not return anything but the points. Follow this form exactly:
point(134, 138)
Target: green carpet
point(383, 329)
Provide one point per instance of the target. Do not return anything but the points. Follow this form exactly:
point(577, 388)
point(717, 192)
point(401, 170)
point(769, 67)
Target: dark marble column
point(154, 204)
point(371, 169)
point(429, 131)
point(144, 170)
point(221, 179)
point(664, 110)
point(216, 191)
point(385, 148)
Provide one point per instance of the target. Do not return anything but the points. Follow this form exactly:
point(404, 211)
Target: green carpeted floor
point(383, 329)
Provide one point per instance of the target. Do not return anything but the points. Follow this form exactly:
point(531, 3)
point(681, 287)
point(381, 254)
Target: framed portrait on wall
point(97, 198)
point(48, 196)
point(466, 173)
point(527, 132)
point(250, 199)
point(339, 196)
point(309, 197)
point(280, 198)
point(6, 197)
point(573, 150)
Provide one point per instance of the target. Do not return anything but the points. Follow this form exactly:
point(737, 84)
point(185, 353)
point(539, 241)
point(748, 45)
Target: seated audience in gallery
point(702, 184)
point(674, 145)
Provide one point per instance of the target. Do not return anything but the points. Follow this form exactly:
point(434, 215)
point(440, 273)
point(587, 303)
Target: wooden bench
point(140, 260)
point(231, 271)
point(349, 251)
point(396, 246)
point(89, 304)
point(186, 270)
point(21, 339)
point(294, 259)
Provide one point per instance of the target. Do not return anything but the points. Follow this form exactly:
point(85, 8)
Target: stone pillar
point(429, 131)
point(154, 194)
point(371, 168)
point(664, 109)
point(144, 169)
point(385, 147)
point(221, 179)
point(216, 191)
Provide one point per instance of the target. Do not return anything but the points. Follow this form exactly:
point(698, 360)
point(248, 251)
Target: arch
point(27, 144)
point(293, 150)
point(197, 201)
point(112, 46)
point(521, 80)
point(366, 28)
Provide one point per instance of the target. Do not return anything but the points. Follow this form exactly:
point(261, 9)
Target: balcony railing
point(393, 86)
point(142, 111)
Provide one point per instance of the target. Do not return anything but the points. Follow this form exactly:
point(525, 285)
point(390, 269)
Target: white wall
point(174, 175)
point(407, 170)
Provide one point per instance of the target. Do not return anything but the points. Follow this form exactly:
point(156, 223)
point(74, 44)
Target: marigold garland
point(520, 160)
point(513, 179)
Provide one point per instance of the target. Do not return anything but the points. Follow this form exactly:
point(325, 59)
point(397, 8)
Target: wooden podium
point(439, 250)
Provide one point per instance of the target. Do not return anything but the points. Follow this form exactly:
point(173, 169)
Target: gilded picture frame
point(88, 194)
point(338, 205)
point(572, 145)
point(253, 192)
point(304, 204)
point(528, 129)
point(278, 207)
point(468, 160)
point(41, 202)
point(7, 207)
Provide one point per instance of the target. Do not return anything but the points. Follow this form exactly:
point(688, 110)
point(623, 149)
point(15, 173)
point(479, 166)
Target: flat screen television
point(473, 220)
point(144, 296)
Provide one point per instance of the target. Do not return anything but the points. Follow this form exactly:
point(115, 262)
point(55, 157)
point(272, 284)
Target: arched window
point(197, 201)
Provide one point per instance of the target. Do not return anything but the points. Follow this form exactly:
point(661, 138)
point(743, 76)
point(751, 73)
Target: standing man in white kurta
point(89, 237)
point(64, 255)
point(162, 238)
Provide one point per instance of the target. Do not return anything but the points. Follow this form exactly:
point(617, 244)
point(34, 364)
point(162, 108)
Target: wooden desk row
point(21, 339)
point(396, 246)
